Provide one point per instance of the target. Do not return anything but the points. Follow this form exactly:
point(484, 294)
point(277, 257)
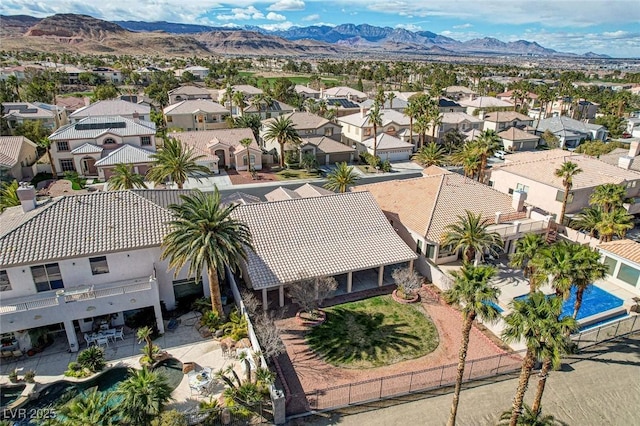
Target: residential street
point(601, 387)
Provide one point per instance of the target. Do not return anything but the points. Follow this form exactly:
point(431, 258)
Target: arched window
point(109, 141)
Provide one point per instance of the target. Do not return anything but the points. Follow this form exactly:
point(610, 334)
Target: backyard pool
point(594, 301)
point(10, 393)
point(171, 369)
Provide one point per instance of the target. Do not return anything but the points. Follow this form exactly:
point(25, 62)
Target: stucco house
point(77, 147)
point(482, 103)
point(273, 109)
point(306, 92)
point(112, 107)
point(502, 120)
point(456, 121)
point(458, 92)
point(326, 150)
point(51, 116)
point(306, 124)
point(571, 132)
point(388, 147)
point(188, 93)
point(344, 92)
point(622, 258)
point(534, 174)
point(222, 148)
point(17, 154)
point(514, 139)
point(198, 114)
point(73, 260)
point(357, 128)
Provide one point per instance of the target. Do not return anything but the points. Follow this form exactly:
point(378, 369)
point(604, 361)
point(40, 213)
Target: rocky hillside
point(16, 26)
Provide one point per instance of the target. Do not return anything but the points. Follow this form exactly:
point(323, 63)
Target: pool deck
point(184, 344)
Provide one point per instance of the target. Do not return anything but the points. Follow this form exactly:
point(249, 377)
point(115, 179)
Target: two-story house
point(199, 114)
point(267, 110)
point(70, 262)
point(50, 116)
point(570, 132)
point(108, 74)
point(457, 121)
point(357, 128)
point(17, 154)
point(78, 147)
point(112, 107)
point(502, 120)
point(188, 93)
point(306, 124)
point(478, 104)
point(343, 92)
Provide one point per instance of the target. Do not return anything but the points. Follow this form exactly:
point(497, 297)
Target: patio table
point(200, 380)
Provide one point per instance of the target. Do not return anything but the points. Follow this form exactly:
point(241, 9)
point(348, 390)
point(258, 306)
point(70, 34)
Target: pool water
point(594, 301)
point(496, 306)
point(10, 393)
point(171, 369)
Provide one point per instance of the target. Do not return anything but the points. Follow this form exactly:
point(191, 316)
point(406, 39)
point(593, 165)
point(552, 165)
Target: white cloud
point(410, 27)
point(277, 27)
point(313, 17)
point(462, 26)
point(241, 14)
point(272, 16)
point(287, 5)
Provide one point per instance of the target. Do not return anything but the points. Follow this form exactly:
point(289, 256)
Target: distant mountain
point(596, 55)
point(167, 27)
point(16, 25)
point(493, 45)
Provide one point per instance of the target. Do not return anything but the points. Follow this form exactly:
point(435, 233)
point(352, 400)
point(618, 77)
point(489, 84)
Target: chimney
point(517, 200)
point(321, 93)
point(27, 195)
point(634, 149)
point(625, 162)
point(136, 115)
point(362, 114)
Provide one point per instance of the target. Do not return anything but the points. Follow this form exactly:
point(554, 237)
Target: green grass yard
point(289, 174)
point(373, 333)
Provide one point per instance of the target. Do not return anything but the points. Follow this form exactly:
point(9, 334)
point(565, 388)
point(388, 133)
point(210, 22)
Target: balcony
point(78, 294)
point(524, 227)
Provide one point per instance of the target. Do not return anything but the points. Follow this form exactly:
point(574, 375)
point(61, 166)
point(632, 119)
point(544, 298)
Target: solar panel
point(101, 126)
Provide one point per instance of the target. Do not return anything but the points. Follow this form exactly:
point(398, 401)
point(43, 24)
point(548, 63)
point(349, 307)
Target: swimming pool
point(9, 393)
point(594, 301)
point(171, 369)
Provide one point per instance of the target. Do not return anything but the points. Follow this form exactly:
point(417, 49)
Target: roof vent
point(27, 196)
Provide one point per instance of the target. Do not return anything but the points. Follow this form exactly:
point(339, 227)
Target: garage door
point(396, 156)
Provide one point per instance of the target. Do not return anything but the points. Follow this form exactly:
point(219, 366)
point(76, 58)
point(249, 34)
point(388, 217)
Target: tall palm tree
point(587, 220)
point(487, 143)
point(530, 418)
point(341, 178)
point(412, 111)
point(238, 99)
point(556, 264)
point(205, 235)
point(228, 96)
point(88, 408)
point(430, 155)
point(588, 269)
point(123, 177)
point(434, 117)
point(470, 235)
point(375, 118)
point(248, 121)
point(527, 248)
point(390, 97)
point(282, 130)
point(45, 144)
point(532, 320)
point(567, 171)
point(9, 195)
point(421, 125)
point(616, 222)
point(176, 162)
point(477, 298)
point(608, 196)
point(142, 396)
point(246, 142)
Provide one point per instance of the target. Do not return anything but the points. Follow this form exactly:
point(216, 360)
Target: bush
point(29, 376)
point(170, 418)
point(408, 282)
point(202, 305)
point(76, 182)
point(210, 319)
point(92, 359)
point(74, 369)
point(13, 376)
point(236, 327)
point(386, 166)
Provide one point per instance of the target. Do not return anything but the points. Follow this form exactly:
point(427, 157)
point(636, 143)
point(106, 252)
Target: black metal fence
point(625, 326)
point(259, 414)
point(410, 382)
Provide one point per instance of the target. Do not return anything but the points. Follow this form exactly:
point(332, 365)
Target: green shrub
point(29, 376)
point(74, 369)
point(386, 166)
point(170, 418)
point(210, 319)
point(202, 305)
point(92, 359)
point(236, 326)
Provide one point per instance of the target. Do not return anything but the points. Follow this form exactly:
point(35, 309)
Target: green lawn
point(366, 169)
point(373, 333)
point(289, 174)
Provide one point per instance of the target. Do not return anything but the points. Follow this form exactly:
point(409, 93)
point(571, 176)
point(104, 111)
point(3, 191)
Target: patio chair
point(119, 334)
point(102, 340)
point(110, 334)
point(88, 339)
point(17, 353)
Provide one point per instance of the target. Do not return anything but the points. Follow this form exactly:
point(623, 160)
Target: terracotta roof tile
point(627, 249)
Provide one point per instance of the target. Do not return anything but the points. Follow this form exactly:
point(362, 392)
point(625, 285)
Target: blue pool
point(496, 306)
point(594, 301)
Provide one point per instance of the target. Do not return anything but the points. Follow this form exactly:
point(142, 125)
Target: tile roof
point(484, 102)
point(386, 141)
point(326, 145)
point(344, 91)
point(398, 103)
point(503, 116)
point(203, 141)
point(281, 193)
point(87, 148)
point(614, 156)
point(94, 127)
point(564, 123)
point(299, 88)
point(341, 103)
point(461, 89)
point(594, 171)
point(388, 116)
point(110, 107)
point(71, 103)
point(190, 90)
point(10, 147)
point(26, 110)
point(162, 197)
point(274, 106)
point(191, 106)
point(84, 225)
point(471, 134)
point(240, 198)
point(548, 154)
point(301, 120)
point(318, 236)
point(428, 204)
point(307, 190)
point(459, 117)
point(126, 154)
point(515, 134)
point(626, 249)
point(247, 89)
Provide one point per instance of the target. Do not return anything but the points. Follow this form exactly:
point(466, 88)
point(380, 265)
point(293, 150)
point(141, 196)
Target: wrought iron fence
point(410, 382)
point(606, 332)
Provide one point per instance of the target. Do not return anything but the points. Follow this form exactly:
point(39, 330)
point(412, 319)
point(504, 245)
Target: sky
point(609, 27)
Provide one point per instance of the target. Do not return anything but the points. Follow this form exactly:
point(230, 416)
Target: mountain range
point(85, 34)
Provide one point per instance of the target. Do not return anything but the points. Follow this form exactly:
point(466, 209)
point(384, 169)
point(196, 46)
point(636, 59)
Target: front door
point(89, 167)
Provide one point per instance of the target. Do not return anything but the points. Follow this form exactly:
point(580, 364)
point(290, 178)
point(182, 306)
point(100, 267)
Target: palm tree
point(589, 269)
point(142, 396)
point(608, 196)
point(470, 235)
point(9, 195)
point(434, 117)
point(430, 155)
point(390, 97)
point(421, 125)
point(176, 162)
point(616, 222)
point(228, 96)
point(282, 130)
point(144, 334)
point(587, 220)
point(88, 408)
point(205, 235)
point(567, 171)
point(248, 121)
point(45, 143)
point(477, 298)
point(487, 143)
point(246, 142)
point(556, 264)
point(535, 321)
point(238, 99)
point(123, 177)
point(530, 418)
point(412, 111)
point(526, 249)
point(341, 178)
point(375, 118)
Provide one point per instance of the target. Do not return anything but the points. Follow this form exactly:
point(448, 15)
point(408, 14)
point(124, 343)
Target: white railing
point(75, 296)
point(521, 228)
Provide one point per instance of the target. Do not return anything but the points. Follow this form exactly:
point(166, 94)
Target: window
point(99, 265)
point(431, 251)
point(47, 277)
point(445, 251)
point(419, 247)
point(145, 140)
point(5, 285)
point(510, 191)
point(62, 145)
point(169, 119)
point(367, 132)
point(560, 196)
point(109, 141)
point(628, 274)
point(328, 131)
point(67, 166)
point(252, 159)
point(610, 264)
point(522, 188)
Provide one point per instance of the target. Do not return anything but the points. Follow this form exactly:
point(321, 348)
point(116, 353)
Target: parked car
point(500, 154)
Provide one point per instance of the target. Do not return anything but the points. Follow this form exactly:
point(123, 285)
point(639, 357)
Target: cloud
point(617, 43)
point(282, 26)
point(410, 27)
point(462, 26)
point(313, 17)
point(287, 5)
point(272, 16)
point(242, 14)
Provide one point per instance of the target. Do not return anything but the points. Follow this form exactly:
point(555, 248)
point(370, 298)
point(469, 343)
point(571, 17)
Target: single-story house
point(327, 150)
point(515, 139)
point(388, 147)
